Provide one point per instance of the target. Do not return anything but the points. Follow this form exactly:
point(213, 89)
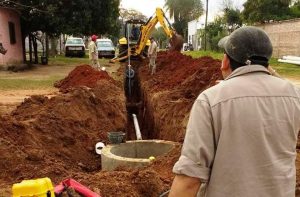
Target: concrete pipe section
point(133, 154)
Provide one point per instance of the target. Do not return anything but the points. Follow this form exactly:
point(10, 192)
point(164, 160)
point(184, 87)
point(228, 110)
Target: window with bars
point(12, 32)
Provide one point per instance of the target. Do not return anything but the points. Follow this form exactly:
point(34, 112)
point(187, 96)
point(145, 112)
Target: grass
point(196, 54)
point(65, 61)
point(61, 60)
point(284, 69)
point(42, 77)
point(28, 84)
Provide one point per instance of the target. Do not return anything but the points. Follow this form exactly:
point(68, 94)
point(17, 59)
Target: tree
point(160, 35)
point(233, 19)
point(72, 17)
point(264, 11)
point(295, 9)
point(127, 14)
point(76, 17)
point(183, 11)
point(215, 31)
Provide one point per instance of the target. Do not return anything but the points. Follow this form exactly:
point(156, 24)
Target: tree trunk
point(47, 45)
point(36, 58)
point(205, 29)
point(30, 47)
point(24, 48)
point(53, 50)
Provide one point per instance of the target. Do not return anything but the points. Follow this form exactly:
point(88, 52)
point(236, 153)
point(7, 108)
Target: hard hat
point(246, 43)
point(94, 37)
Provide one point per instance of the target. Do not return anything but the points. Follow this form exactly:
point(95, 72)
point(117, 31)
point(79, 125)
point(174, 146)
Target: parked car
point(74, 47)
point(105, 48)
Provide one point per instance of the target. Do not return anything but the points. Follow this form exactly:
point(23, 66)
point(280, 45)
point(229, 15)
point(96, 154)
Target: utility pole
point(205, 28)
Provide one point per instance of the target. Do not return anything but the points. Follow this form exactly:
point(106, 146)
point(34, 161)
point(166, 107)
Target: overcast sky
point(147, 7)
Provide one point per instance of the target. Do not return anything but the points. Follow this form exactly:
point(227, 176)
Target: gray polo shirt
point(241, 136)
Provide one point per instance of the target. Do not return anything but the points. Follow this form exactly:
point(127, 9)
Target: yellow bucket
point(33, 188)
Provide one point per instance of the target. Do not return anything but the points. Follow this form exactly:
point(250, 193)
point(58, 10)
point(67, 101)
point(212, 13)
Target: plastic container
point(39, 187)
point(116, 137)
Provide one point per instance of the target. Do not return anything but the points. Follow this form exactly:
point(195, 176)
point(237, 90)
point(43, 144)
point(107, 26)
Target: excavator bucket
point(176, 42)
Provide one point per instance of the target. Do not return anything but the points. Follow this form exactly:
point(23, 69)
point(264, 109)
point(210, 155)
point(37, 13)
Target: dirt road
point(10, 98)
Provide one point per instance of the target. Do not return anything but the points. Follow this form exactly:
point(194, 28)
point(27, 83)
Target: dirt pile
point(150, 181)
point(83, 75)
point(56, 137)
point(170, 93)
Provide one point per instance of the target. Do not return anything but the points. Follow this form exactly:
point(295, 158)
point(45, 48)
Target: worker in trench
point(152, 54)
point(242, 133)
point(129, 82)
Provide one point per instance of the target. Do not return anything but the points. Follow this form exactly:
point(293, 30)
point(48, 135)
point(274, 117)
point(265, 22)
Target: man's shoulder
point(239, 87)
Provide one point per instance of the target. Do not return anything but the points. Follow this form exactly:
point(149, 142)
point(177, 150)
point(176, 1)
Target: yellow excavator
point(136, 43)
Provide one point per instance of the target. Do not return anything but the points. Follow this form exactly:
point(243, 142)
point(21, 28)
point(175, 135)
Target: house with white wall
point(193, 32)
point(10, 36)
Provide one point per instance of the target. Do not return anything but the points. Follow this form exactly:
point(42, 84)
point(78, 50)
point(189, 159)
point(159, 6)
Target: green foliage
point(127, 14)
point(183, 11)
point(197, 54)
point(215, 31)
point(160, 36)
point(78, 17)
point(262, 11)
point(286, 70)
point(28, 84)
point(233, 18)
point(295, 9)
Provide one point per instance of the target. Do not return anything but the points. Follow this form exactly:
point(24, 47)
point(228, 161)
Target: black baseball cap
point(245, 43)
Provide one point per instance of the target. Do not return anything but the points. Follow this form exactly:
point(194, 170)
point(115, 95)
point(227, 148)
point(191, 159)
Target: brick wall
point(285, 37)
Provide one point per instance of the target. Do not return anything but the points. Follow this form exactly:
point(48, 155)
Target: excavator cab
point(132, 30)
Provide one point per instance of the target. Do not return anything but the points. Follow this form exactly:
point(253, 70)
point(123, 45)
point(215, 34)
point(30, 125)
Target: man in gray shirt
point(242, 133)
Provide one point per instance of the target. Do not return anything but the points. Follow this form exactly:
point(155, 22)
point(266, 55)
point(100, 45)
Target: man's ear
point(225, 63)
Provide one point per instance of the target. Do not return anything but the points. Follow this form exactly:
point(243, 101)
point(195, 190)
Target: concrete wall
point(14, 51)
point(285, 37)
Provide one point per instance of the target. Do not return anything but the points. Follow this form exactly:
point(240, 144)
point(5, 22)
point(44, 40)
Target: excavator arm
point(176, 41)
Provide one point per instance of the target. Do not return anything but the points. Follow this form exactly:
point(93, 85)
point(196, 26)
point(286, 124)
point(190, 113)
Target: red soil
point(56, 137)
point(169, 93)
point(83, 75)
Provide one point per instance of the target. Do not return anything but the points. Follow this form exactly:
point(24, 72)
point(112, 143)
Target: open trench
point(136, 104)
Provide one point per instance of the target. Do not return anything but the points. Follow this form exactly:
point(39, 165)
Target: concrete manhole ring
point(133, 154)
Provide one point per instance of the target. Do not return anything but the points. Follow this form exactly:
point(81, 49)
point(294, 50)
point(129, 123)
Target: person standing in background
point(152, 54)
point(93, 53)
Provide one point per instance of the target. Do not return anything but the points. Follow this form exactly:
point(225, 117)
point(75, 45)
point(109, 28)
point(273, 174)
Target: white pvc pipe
point(290, 57)
point(289, 61)
point(137, 128)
